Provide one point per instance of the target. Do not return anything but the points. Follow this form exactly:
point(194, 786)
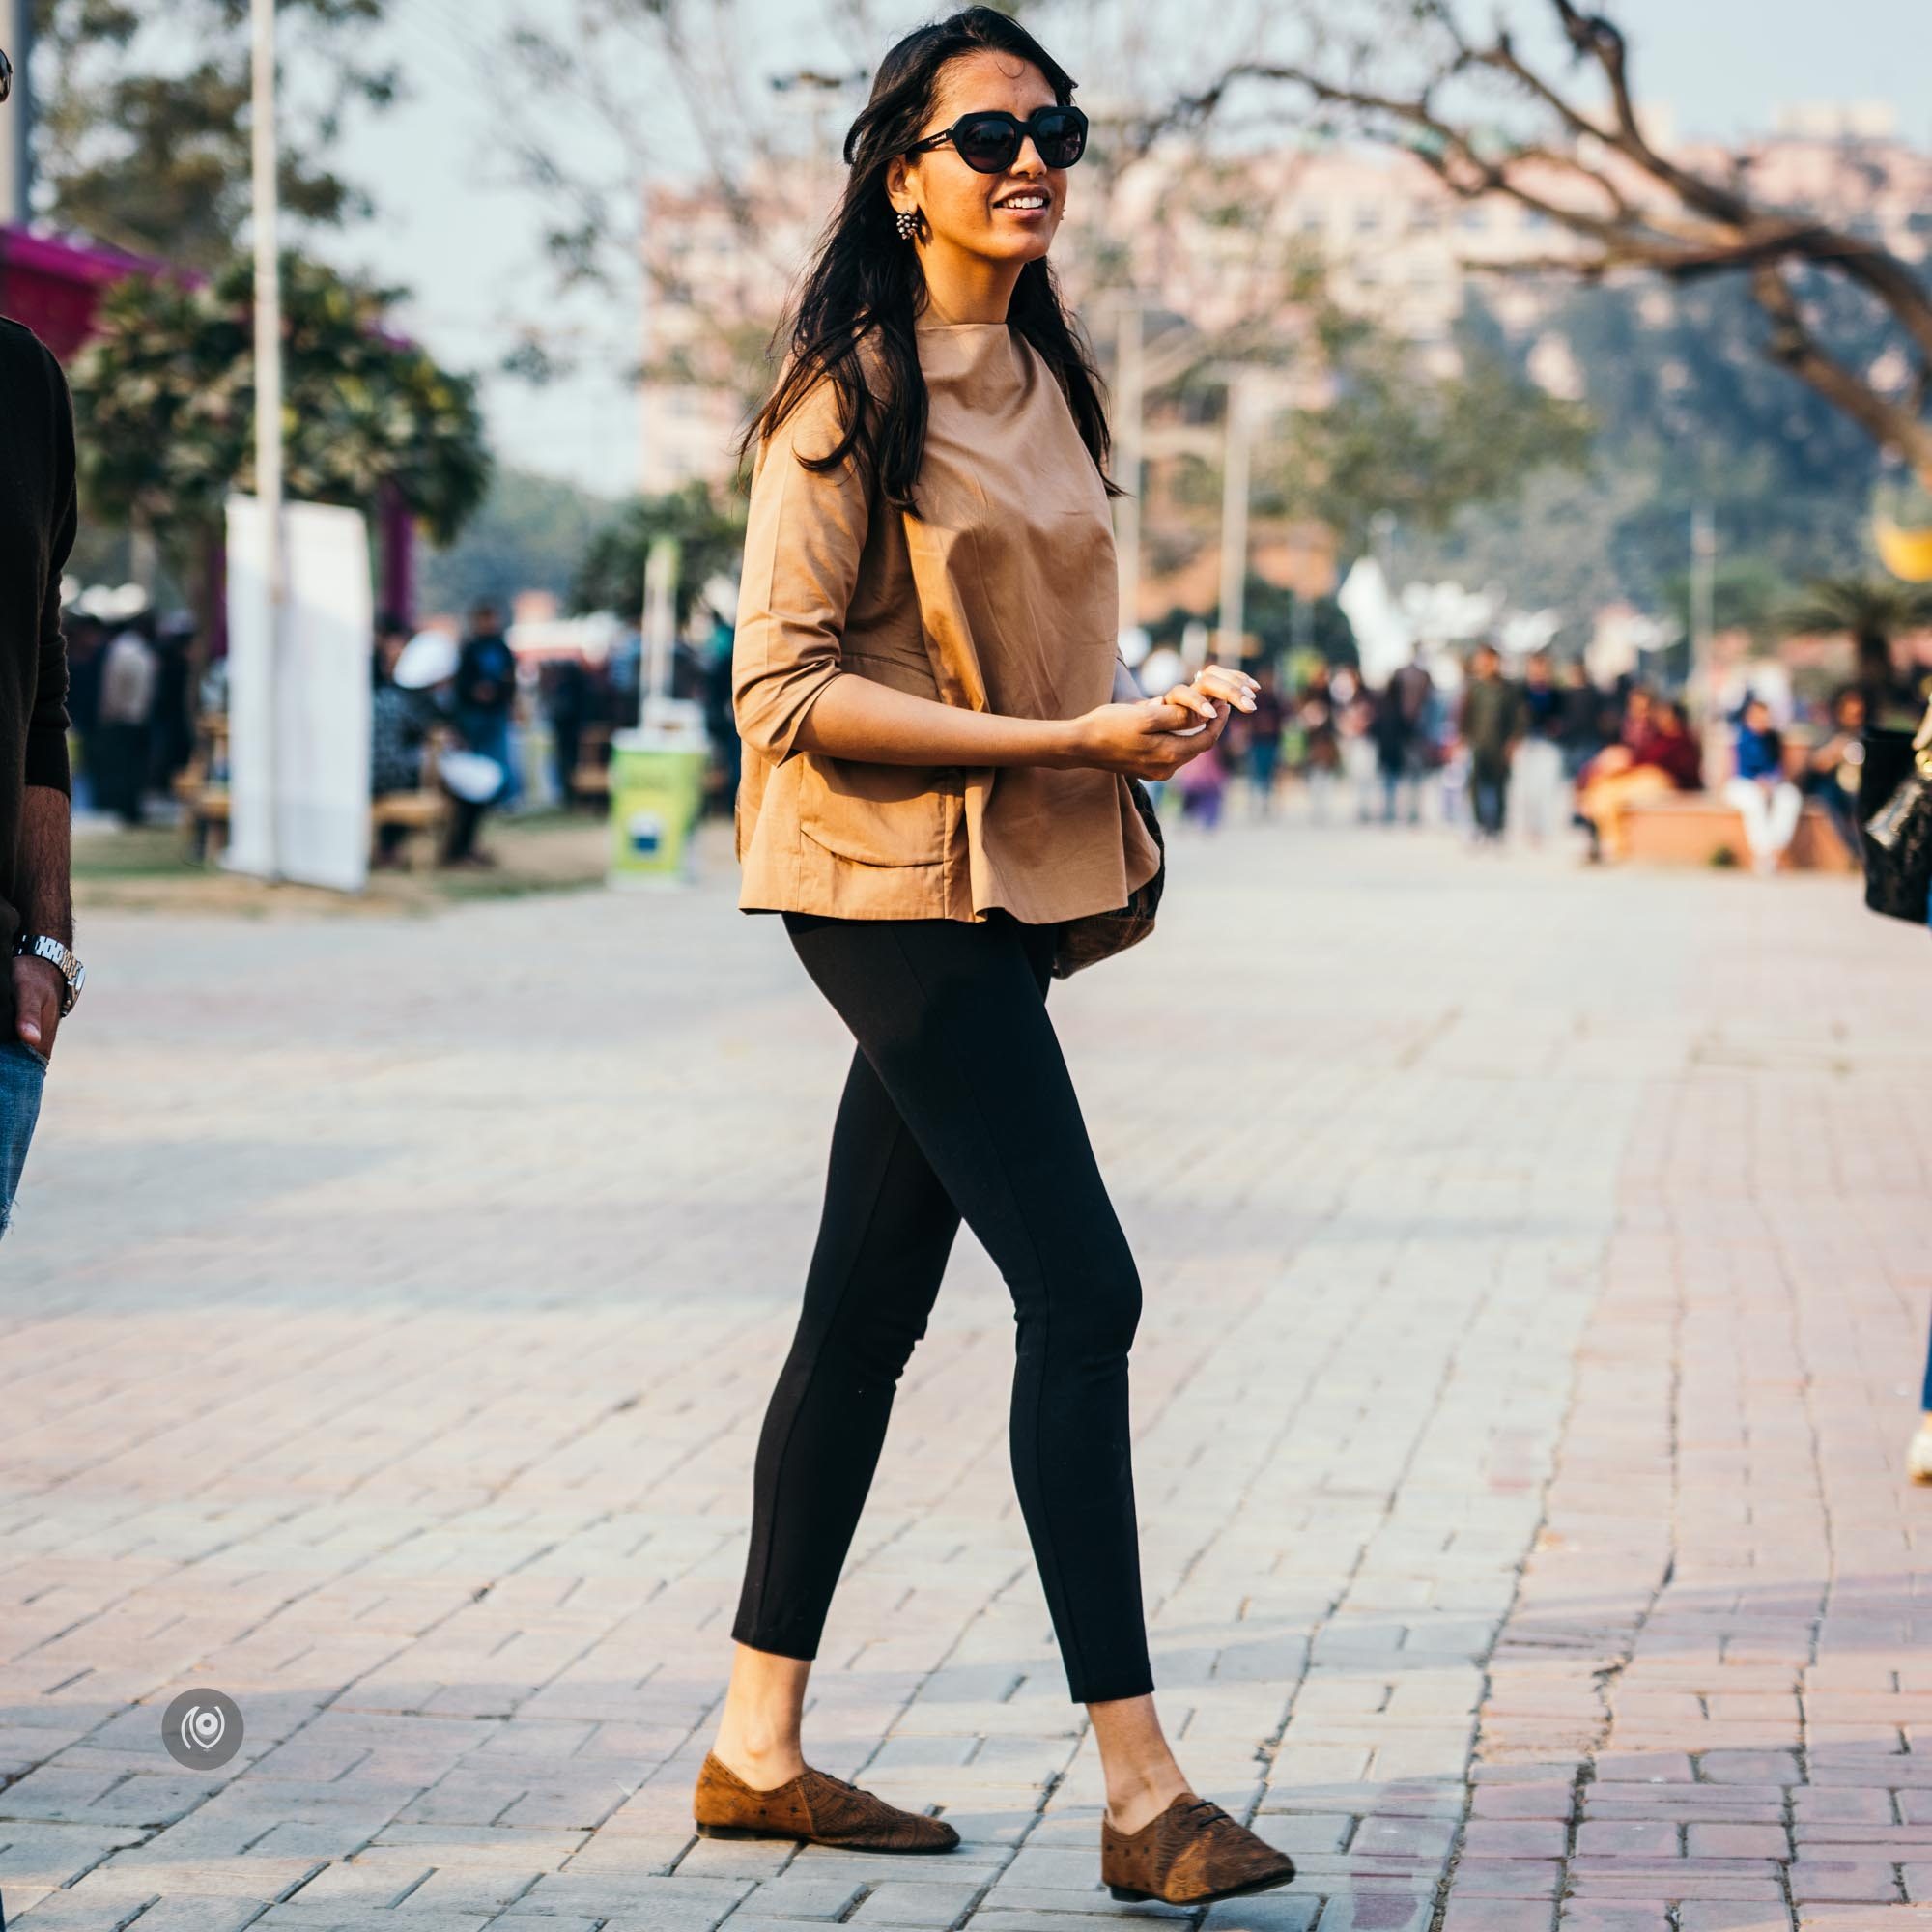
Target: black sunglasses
point(989, 140)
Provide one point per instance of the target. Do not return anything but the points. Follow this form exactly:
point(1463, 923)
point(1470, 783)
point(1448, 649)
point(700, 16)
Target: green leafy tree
point(1871, 611)
point(1285, 622)
point(164, 404)
point(1748, 593)
point(1393, 438)
point(530, 533)
point(711, 537)
point(141, 130)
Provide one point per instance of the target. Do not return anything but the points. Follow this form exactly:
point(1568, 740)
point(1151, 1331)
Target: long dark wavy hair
point(865, 282)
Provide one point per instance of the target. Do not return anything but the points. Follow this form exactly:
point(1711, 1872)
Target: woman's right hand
point(1144, 739)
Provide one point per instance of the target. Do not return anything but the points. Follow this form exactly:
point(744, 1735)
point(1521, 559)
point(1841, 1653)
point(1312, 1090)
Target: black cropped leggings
point(957, 1103)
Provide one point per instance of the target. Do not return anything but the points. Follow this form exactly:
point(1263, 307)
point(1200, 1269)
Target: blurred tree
point(1748, 593)
point(531, 532)
point(1491, 122)
point(1688, 416)
point(712, 537)
point(1392, 438)
point(1871, 611)
point(164, 400)
point(1283, 623)
point(141, 126)
point(1278, 618)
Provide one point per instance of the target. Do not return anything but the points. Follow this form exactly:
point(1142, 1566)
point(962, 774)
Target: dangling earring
point(907, 221)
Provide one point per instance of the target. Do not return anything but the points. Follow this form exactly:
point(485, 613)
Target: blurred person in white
point(1538, 788)
point(131, 672)
point(36, 530)
point(1766, 800)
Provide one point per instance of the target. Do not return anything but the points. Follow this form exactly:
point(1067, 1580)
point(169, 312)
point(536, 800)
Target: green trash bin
point(657, 792)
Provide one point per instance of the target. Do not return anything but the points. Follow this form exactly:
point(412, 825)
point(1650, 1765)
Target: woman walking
point(938, 738)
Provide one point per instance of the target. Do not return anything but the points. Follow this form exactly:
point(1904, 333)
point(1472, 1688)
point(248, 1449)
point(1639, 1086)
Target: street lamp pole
point(1703, 599)
point(1129, 404)
point(269, 380)
point(1703, 629)
point(1235, 518)
point(16, 165)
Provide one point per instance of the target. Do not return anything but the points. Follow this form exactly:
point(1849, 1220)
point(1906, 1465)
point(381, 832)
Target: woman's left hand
point(1232, 687)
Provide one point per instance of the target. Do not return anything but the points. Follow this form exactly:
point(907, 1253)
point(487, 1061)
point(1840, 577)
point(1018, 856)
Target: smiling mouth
point(1033, 201)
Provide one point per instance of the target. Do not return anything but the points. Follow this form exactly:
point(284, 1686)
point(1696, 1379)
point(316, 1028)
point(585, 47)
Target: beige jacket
point(1001, 595)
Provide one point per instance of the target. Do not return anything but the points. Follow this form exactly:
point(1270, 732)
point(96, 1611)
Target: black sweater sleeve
point(46, 760)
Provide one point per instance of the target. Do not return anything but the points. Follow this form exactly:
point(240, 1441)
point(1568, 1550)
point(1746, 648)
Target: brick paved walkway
point(1537, 1279)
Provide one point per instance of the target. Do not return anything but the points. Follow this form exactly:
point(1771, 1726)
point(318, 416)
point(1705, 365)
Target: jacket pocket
point(874, 814)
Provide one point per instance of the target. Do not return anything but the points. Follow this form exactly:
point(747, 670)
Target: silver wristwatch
point(38, 945)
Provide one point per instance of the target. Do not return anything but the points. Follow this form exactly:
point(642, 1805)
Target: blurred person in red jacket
point(1656, 754)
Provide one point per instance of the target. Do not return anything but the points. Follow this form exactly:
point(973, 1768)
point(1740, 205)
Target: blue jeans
point(489, 732)
point(23, 1073)
point(1489, 795)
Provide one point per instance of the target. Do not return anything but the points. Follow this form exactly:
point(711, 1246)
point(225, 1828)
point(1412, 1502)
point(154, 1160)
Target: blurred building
point(718, 269)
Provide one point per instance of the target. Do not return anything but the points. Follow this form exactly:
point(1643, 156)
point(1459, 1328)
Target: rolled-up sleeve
point(803, 537)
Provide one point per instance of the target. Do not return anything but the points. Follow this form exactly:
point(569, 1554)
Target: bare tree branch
point(1794, 346)
point(1639, 207)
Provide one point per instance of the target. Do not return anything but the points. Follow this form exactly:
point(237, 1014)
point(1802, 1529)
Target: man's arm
point(42, 877)
point(47, 907)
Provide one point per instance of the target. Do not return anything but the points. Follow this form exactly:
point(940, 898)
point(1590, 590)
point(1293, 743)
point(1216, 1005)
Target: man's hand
point(37, 992)
point(45, 905)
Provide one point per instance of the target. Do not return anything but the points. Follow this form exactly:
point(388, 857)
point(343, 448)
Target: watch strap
point(58, 955)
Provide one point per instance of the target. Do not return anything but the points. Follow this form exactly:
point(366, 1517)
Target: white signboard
point(299, 724)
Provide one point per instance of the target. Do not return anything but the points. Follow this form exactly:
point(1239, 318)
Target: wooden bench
point(201, 787)
point(592, 777)
point(424, 810)
point(1697, 828)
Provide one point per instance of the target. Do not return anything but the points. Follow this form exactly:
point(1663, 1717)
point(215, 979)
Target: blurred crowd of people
point(457, 714)
point(129, 672)
point(1530, 753)
point(1536, 754)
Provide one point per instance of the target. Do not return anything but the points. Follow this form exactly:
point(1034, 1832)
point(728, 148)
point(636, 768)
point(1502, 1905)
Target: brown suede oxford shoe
point(813, 1808)
point(1192, 1852)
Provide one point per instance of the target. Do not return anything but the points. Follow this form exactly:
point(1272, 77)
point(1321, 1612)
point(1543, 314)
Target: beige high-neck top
point(1000, 595)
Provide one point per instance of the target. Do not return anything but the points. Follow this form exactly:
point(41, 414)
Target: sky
point(455, 227)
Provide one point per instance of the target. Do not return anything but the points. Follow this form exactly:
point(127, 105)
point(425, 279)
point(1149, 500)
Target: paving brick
point(1577, 1916)
point(1516, 1838)
point(1737, 1841)
point(1649, 1840)
point(1489, 1914)
point(1827, 1881)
